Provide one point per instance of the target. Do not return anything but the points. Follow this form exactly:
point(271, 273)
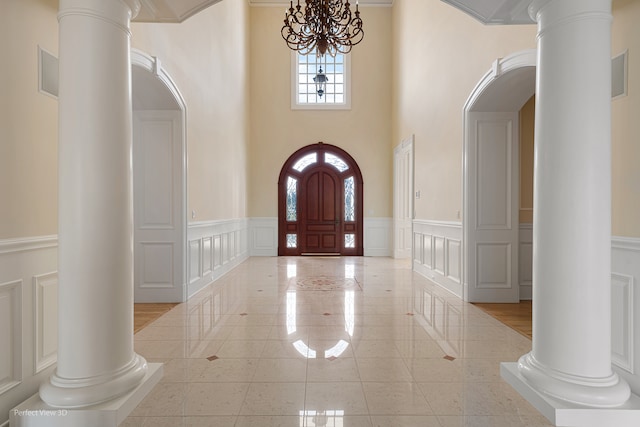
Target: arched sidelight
point(320, 203)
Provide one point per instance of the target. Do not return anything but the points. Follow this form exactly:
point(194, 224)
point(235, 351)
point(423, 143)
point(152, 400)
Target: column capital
point(553, 12)
point(536, 6)
point(118, 12)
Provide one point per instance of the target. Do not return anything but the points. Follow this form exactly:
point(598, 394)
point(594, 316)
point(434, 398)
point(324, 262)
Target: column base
point(608, 392)
point(33, 412)
point(562, 413)
point(63, 393)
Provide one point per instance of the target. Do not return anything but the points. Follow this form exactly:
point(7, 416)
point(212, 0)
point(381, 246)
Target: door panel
point(311, 201)
point(493, 224)
point(157, 193)
point(329, 193)
point(403, 199)
point(320, 197)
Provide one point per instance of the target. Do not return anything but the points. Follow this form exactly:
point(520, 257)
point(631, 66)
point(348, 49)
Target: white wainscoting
point(263, 236)
point(525, 265)
point(378, 237)
point(45, 292)
point(437, 253)
point(28, 317)
point(214, 249)
point(625, 308)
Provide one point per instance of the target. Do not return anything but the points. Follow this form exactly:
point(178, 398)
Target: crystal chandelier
point(324, 26)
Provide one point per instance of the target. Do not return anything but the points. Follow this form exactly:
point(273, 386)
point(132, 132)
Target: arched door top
point(320, 205)
point(321, 149)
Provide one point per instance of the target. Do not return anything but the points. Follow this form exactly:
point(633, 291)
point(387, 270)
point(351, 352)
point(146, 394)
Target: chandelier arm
point(324, 25)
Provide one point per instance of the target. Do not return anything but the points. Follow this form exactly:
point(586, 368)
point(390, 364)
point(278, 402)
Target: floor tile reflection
point(335, 342)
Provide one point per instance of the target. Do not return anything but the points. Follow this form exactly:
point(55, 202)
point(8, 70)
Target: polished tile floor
point(309, 342)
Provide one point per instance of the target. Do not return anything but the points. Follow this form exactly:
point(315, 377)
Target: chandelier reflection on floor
point(323, 26)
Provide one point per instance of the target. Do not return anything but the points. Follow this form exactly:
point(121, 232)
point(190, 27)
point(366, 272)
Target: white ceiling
point(170, 10)
point(179, 10)
point(495, 12)
point(486, 11)
point(281, 2)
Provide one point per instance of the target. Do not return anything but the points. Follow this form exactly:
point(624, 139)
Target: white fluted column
point(571, 356)
point(96, 361)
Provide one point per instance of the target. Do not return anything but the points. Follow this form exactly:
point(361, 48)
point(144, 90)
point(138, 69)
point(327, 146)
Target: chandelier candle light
point(324, 26)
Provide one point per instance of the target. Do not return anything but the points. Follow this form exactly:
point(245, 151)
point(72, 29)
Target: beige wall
point(277, 131)
point(207, 56)
point(626, 124)
point(439, 55)
point(28, 121)
point(527, 124)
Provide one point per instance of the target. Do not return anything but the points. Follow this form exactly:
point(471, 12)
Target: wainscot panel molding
point(625, 309)
point(28, 317)
point(10, 334)
point(263, 236)
point(525, 253)
point(437, 253)
point(378, 237)
point(214, 249)
point(45, 292)
point(12, 246)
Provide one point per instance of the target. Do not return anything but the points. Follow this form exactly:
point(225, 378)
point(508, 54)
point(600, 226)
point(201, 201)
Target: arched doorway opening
point(159, 183)
point(320, 209)
point(491, 231)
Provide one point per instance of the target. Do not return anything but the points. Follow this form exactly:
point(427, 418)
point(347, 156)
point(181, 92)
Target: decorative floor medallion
point(324, 283)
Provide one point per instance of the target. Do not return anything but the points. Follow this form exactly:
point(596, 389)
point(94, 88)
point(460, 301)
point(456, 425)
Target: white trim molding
point(437, 253)
point(11, 338)
point(45, 325)
point(263, 236)
point(625, 309)
point(622, 290)
point(214, 249)
point(631, 244)
point(28, 244)
point(26, 263)
point(378, 234)
point(525, 255)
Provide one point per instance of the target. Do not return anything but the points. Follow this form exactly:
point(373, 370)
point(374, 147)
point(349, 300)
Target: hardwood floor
point(143, 314)
point(516, 316)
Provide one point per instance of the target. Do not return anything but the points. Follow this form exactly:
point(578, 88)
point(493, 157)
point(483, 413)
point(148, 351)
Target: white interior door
point(158, 213)
point(403, 199)
point(492, 215)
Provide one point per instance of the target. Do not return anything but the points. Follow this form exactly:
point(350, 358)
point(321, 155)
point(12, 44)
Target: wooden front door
point(320, 211)
point(320, 203)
